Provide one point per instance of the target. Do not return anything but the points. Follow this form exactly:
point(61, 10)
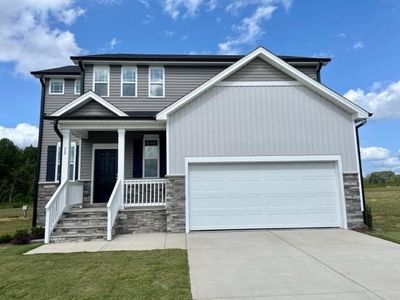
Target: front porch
point(117, 169)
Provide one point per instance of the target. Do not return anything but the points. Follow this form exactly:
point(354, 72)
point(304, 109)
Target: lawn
point(12, 219)
point(159, 274)
point(385, 206)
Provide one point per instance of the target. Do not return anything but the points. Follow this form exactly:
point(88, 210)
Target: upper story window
point(77, 87)
point(101, 80)
point(128, 81)
point(156, 82)
point(56, 86)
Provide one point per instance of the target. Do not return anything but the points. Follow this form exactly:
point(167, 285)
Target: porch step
point(81, 224)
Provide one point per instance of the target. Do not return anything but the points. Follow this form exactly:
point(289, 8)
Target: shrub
point(37, 233)
point(368, 217)
point(5, 239)
point(21, 237)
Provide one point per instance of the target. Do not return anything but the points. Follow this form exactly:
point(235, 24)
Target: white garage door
point(263, 195)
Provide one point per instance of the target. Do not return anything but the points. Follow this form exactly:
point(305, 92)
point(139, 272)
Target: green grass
point(12, 219)
point(385, 206)
point(159, 274)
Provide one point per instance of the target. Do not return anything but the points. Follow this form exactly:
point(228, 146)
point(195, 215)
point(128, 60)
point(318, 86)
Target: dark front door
point(105, 174)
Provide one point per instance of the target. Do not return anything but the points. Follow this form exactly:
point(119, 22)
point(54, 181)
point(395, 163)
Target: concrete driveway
point(293, 264)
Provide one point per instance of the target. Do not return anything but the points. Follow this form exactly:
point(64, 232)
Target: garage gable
point(278, 64)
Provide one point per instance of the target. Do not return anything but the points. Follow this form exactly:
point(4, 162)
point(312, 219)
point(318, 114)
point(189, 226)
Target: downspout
point(363, 122)
point(58, 132)
point(319, 67)
point(82, 67)
point(39, 151)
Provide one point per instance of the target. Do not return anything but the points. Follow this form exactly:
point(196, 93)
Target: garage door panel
point(263, 195)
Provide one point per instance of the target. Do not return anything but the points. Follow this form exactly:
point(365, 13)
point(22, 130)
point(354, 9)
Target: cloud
point(30, 38)
point(113, 43)
point(186, 8)
point(382, 99)
point(342, 35)
point(374, 153)
point(184, 37)
point(22, 135)
point(145, 3)
point(358, 45)
point(169, 32)
point(249, 30)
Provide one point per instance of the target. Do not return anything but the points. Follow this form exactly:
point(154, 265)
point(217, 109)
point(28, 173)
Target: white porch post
point(65, 152)
point(121, 161)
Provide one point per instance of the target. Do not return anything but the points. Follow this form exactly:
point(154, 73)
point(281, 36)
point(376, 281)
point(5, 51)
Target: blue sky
point(361, 37)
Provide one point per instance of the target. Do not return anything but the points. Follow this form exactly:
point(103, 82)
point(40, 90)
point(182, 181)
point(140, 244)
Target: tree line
point(17, 172)
point(383, 178)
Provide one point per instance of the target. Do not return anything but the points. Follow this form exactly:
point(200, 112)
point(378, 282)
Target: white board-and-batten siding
point(260, 121)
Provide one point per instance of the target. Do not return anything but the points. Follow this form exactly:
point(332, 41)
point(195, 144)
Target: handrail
point(144, 192)
point(55, 208)
point(113, 205)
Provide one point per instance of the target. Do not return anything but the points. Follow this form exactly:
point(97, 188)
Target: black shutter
point(163, 158)
point(76, 162)
point(137, 158)
point(51, 163)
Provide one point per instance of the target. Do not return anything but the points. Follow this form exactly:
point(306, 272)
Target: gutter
point(82, 67)
point(362, 123)
point(39, 151)
point(58, 132)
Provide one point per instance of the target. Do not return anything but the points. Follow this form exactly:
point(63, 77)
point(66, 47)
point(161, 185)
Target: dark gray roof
point(66, 70)
point(188, 57)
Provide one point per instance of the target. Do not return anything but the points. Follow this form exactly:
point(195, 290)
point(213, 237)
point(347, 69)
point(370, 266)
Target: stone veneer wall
point(175, 203)
point(141, 220)
point(353, 201)
point(45, 191)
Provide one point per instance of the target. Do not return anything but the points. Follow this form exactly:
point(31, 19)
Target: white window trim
point(73, 144)
point(151, 137)
point(163, 82)
point(75, 81)
point(63, 86)
point(135, 82)
point(108, 79)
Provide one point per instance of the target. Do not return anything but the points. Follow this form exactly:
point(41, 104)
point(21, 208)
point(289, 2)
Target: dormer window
point(156, 82)
point(101, 80)
point(128, 81)
point(56, 87)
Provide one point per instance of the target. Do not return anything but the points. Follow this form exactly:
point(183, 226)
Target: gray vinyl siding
point(92, 109)
point(309, 71)
point(179, 81)
point(258, 70)
point(241, 121)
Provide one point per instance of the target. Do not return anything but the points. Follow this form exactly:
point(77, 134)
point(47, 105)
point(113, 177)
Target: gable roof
point(281, 65)
point(84, 99)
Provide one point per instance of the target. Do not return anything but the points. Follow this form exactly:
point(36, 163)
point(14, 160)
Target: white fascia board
point(280, 65)
point(84, 99)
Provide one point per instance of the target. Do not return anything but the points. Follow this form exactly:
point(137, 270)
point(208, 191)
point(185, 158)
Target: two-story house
point(143, 143)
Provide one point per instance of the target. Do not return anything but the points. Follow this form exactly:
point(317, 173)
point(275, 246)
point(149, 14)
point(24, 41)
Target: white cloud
point(22, 135)
point(250, 28)
point(186, 8)
point(29, 36)
point(358, 45)
point(342, 35)
point(374, 153)
point(169, 32)
point(145, 3)
point(382, 99)
point(184, 37)
point(114, 42)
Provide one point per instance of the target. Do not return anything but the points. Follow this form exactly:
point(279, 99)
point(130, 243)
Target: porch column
point(65, 152)
point(121, 161)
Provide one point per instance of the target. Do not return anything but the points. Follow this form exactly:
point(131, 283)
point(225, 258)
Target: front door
point(105, 174)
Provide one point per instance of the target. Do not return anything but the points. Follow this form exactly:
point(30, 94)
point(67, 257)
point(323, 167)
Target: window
point(151, 154)
point(128, 81)
point(72, 159)
point(101, 76)
point(77, 87)
point(56, 87)
point(156, 82)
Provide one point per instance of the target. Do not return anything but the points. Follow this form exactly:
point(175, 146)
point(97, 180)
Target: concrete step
point(80, 229)
point(77, 238)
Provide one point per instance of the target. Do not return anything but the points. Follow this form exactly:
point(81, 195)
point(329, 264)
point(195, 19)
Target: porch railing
point(55, 208)
point(144, 192)
point(113, 206)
